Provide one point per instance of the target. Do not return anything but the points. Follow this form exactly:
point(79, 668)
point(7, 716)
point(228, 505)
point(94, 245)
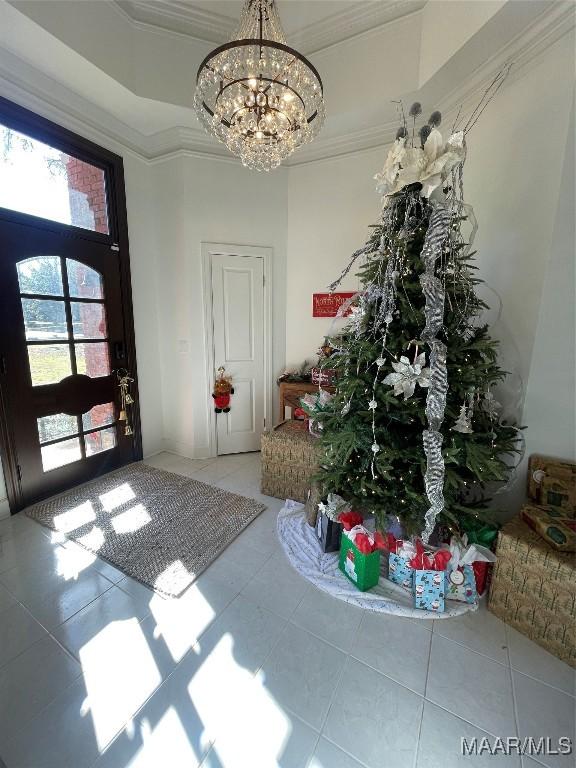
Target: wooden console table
point(292, 391)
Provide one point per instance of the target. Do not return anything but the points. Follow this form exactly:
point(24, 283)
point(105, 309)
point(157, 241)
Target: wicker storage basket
point(534, 589)
point(289, 459)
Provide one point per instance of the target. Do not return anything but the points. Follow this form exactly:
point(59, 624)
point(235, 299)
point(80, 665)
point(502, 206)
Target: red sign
point(328, 304)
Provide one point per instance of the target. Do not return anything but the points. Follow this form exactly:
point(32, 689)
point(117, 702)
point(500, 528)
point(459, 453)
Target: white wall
point(331, 204)
point(550, 408)
point(144, 256)
point(205, 200)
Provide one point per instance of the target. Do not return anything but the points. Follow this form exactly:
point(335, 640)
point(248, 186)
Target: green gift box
point(362, 570)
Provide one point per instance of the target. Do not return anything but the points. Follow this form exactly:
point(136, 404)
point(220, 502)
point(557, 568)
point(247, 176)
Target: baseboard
point(186, 450)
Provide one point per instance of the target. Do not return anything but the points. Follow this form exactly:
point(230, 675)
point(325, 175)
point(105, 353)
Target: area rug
point(160, 528)
point(305, 554)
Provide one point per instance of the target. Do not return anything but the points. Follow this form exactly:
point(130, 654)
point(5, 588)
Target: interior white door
point(238, 324)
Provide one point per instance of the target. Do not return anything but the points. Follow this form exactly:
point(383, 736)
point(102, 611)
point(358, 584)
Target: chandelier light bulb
point(257, 95)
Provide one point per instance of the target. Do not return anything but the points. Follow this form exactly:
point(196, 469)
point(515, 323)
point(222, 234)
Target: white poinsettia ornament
point(430, 163)
point(406, 375)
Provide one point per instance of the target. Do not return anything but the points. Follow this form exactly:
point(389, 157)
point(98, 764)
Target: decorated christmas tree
point(414, 428)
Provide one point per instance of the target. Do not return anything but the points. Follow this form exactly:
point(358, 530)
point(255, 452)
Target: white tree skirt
point(304, 552)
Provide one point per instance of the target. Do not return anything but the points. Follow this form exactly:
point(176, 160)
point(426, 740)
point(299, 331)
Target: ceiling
point(126, 68)
point(308, 24)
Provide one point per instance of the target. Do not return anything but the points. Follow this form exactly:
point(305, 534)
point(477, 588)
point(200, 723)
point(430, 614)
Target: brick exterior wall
point(87, 194)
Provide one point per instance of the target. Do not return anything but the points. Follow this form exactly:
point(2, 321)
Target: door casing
point(208, 250)
point(40, 128)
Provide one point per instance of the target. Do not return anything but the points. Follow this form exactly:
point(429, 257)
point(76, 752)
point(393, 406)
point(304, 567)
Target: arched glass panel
point(83, 281)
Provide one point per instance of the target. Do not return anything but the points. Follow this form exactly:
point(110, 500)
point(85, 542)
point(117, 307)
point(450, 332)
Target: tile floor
point(252, 667)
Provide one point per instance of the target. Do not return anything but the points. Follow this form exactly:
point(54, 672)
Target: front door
point(238, 322)
point(65, 330)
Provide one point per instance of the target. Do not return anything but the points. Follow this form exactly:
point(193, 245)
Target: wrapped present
point(553, 525)
point(534, 589)
point(360, 557)
point(429, 580)
point(552, 482)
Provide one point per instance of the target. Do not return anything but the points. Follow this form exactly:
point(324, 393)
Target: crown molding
point(178, 17)
point(184, 18)
point(34, 90)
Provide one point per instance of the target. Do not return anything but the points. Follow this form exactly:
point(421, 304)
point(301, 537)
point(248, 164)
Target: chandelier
point(257, 95)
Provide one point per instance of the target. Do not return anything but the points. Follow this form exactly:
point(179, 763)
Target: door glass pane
point(59, 454)
point(96, 442)
point(88, 320)
point(43, 181)
point(83, 281)
point(44, 319)
point(92, 359)
point(55, 426)
point(98, 416)
point(41, 274)
point(49, 363)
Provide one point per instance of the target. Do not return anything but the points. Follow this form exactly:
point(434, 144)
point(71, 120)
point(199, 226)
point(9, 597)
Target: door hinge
point(19, 472)
point(264, 423)
point(3, 366)
point(263, 280)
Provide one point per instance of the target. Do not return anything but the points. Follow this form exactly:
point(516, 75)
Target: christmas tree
point(413, 429)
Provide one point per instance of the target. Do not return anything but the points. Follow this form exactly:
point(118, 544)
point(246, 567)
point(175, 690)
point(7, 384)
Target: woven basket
point(289, 460)
point(534, 590)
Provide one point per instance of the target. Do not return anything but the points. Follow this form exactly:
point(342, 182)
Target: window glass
point(44, 319)
point(41, 274)
point(88, 320)
point(92, 359)
point(97, 442)
point(59, 454)
point(49, 363)
point(83, 281)
point(40, 180)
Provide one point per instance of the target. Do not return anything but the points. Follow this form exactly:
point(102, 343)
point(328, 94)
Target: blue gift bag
point(428, 590)
point(461, 584)
point(399, 571)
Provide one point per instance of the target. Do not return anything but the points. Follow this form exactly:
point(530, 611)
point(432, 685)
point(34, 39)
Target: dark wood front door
point(66, 333)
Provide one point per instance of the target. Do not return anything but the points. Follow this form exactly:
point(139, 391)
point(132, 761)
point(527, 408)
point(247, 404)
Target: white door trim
point(227, 249)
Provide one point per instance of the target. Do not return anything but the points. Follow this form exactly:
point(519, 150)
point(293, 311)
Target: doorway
point(66, 325)
point(238, 315)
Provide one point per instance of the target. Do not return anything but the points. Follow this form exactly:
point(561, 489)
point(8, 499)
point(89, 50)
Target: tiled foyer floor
point(251, 668)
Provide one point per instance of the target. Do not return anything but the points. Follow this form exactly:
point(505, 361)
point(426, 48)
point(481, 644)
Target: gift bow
point(429, 560)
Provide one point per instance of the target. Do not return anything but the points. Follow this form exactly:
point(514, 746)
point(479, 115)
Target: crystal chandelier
point(257, 95)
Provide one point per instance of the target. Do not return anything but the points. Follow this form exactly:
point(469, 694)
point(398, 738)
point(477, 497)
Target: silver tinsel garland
point(433, 289)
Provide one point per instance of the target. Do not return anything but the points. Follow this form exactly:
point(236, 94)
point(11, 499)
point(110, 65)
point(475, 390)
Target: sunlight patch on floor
point(120, 674)
point(93, 540)
point(180, 620)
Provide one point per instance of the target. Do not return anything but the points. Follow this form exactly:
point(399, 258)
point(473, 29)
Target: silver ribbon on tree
point(433, 290)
